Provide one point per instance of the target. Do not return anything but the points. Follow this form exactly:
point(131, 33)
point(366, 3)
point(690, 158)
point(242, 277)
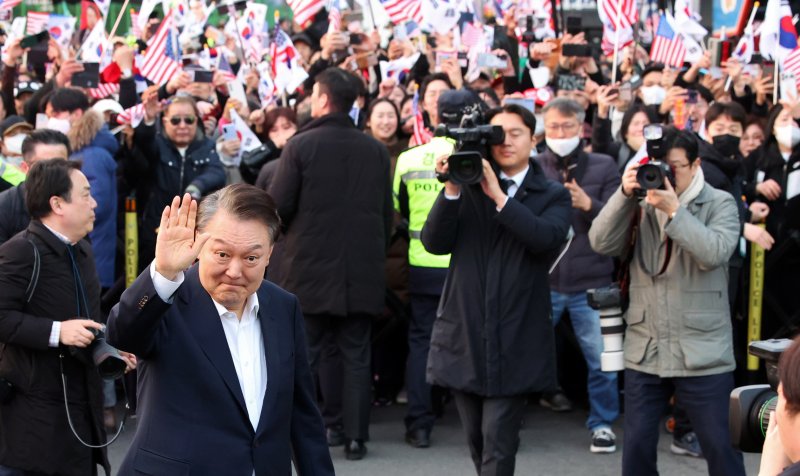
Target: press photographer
point(678, 338)
point(495, 306)
point(781, 452)
point(50, 347)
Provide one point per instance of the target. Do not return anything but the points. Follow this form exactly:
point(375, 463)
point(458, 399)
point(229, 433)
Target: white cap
point(104, 105)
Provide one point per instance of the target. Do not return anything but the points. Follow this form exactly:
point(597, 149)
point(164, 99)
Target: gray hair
point(567, 107)
point(244, 202)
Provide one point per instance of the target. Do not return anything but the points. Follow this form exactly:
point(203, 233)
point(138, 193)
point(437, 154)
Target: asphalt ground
point(551, 444)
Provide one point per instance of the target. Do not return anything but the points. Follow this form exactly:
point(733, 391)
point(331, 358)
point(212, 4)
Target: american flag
point(421, 134)
point(304, 10)
point(628, 16)
point(791, 64)
point(400, 11)
point(334, 18)
point(37, 21)
point(9, 4)
point(224, 67)
point(161, 59)
point(104, 90)
point(668, 47)
point(133, 115)
point(471, 34)
point(135, 28)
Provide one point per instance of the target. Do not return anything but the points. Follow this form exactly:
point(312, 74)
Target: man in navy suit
point(224, 381)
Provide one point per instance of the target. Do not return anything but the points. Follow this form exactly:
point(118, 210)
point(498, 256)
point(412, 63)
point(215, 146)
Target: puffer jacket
point(679, 321)
point(95, 146)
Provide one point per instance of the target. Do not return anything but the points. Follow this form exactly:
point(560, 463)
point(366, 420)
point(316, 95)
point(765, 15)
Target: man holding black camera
point(678, 337)
point(47, 323)
point(492, 341)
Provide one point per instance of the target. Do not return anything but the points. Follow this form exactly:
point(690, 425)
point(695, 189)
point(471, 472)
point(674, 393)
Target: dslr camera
point(750, 406)
point(608, 302)
point(102, 355)
point(472, 141)
point(654, 174)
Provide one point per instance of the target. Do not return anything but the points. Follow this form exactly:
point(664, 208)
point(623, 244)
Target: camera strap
point(69, 417)
point(37, 264)
point(667, 257)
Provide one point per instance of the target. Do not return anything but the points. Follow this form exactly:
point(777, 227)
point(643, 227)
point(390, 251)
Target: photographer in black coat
point(45, 327)
point(492, 341)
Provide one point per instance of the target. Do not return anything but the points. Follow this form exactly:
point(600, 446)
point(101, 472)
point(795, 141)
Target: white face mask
point(60, 125)
point(14, 143)
point(562, 147)
point(787, 136)
point(653, 95)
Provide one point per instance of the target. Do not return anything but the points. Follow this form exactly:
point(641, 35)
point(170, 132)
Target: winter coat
point(581, 268)
point(333, 192)
point(493, 333)
point(13, 211)
point(767, 163)
point(170, 173)
point(94, 145)
point(679, 322)
point(34, 432)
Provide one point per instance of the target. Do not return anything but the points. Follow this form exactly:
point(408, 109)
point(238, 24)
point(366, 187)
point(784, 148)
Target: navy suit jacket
point(192, 419)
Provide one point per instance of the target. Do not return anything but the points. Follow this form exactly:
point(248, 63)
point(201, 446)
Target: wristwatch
point(672, 215)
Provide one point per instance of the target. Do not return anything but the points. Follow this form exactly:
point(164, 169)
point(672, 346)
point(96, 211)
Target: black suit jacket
point(192, 415)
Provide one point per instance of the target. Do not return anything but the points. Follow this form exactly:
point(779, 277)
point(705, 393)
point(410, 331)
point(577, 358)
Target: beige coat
point(678, 322)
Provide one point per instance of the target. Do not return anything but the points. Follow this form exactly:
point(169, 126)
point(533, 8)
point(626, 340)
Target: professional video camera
point(608, 301)
point(105, 357)
point(472, 142)
point(750, 406)
point(653, 174)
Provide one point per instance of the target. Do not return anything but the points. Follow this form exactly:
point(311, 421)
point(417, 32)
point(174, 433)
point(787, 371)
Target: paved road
point(551, 444)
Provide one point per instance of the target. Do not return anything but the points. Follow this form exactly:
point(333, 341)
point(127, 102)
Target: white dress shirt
point(245, 342)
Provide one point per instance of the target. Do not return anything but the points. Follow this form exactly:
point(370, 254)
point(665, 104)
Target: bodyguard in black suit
point(492, 341)
point(224, 382)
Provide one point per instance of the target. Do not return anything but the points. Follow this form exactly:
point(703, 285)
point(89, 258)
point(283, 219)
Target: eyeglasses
point(566, 127)
point(188, 120)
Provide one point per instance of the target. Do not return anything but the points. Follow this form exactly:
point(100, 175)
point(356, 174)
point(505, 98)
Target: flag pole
point(119, 18)
point(372, 14)
point(616, 43)
point(749, 25)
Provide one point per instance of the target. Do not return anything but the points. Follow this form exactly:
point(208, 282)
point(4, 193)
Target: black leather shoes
point(419, 438)
point(335, 436)
point(355, 450)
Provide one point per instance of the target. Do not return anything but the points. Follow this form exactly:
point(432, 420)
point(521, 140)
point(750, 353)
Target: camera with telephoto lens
point(654, 174)
point(608, 302)
point(750, 406)
point(472, 142)
point(102, 355)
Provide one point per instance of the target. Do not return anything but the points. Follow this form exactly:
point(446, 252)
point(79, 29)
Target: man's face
point(78, 212)
point(183, 133)
point(681, 169)
point(653, 78)
point(517, 146)
point(560, 126)
point(45, 152)
point(233, 261)
point(431, 99)
point(724, 125)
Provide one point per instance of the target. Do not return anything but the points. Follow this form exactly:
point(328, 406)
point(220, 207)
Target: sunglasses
point(188, 120)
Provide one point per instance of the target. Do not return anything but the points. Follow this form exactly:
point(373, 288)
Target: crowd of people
point(411, 284)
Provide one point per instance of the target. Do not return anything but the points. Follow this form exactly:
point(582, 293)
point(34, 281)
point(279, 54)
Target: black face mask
point(726, 144)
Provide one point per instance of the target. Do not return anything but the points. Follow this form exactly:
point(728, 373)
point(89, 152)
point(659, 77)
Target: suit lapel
point(204, 322)
point(270, 334)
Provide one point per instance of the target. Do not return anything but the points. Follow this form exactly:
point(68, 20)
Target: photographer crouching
point(678, 337)
point(781, 452)
point(492, 341)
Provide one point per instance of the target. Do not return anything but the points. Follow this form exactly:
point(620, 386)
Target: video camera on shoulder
point(654, 174)
point(750, 406)
point(472, 142)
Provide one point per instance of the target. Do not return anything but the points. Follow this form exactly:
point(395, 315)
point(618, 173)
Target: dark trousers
point(329, 377)
point(492, 427)
point(705, 400)
point(420, 406)
point(352, 336)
